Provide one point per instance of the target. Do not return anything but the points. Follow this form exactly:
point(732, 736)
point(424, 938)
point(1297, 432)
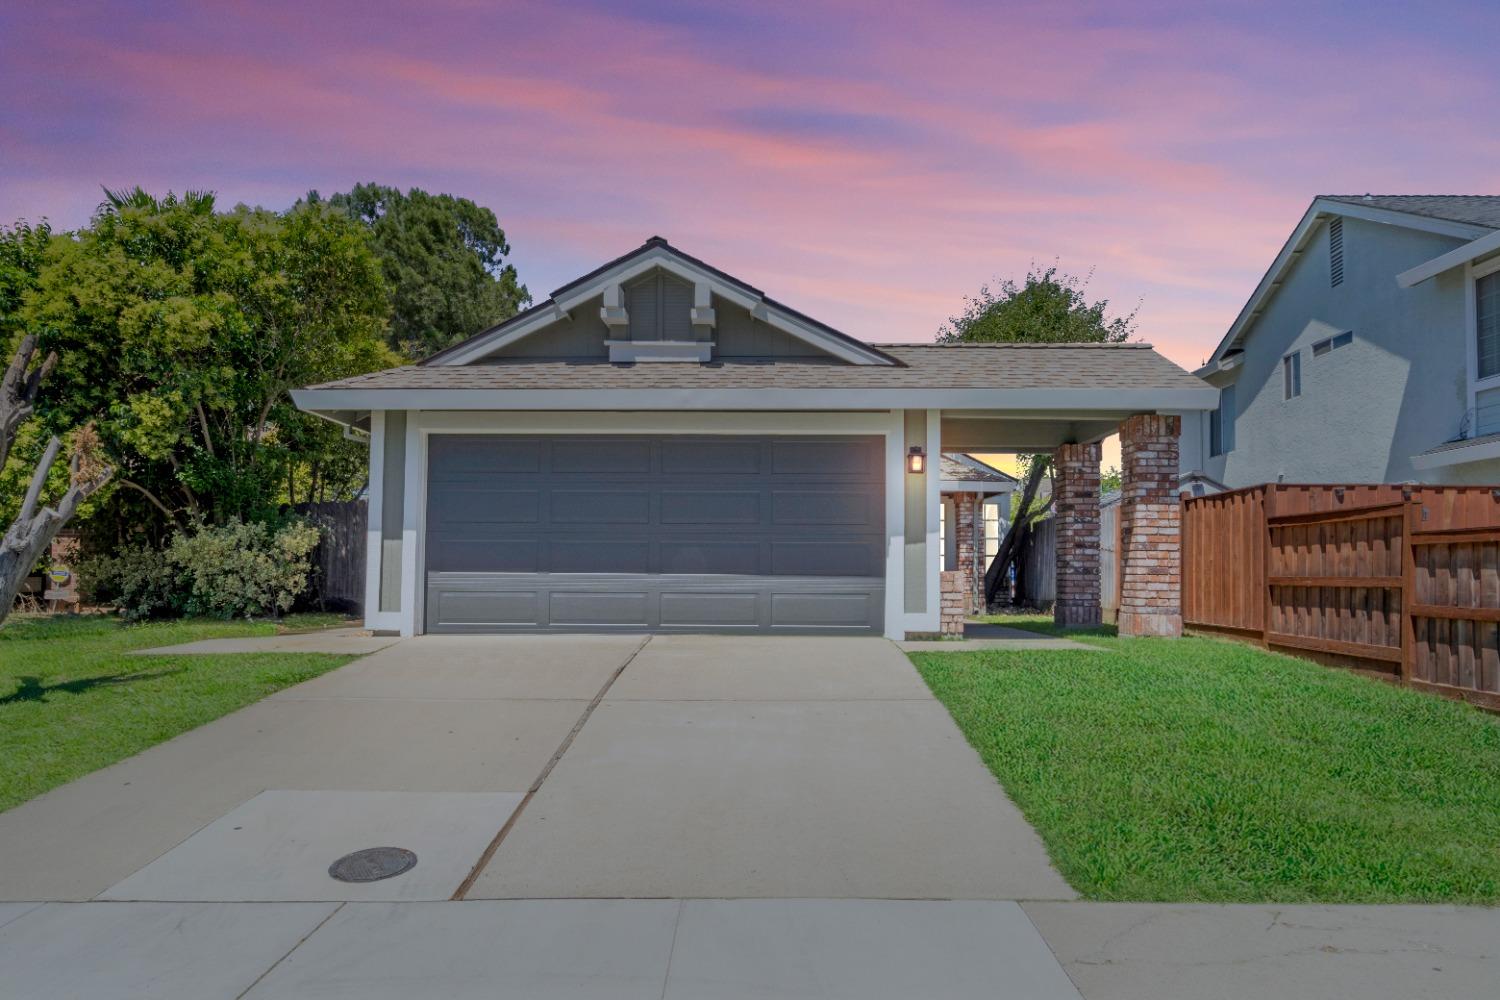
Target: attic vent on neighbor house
point(1336, 252)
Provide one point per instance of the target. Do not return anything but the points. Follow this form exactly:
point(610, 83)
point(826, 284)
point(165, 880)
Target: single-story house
point(662, 446)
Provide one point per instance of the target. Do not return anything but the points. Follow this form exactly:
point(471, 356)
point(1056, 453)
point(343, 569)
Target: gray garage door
point(711, 534)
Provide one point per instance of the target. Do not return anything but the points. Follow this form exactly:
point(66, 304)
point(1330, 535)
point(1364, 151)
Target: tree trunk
point(1009, 546)
point(33, 530)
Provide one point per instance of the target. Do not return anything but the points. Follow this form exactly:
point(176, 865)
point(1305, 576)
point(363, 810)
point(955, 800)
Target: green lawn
point(72, 702)
point(1201, 769)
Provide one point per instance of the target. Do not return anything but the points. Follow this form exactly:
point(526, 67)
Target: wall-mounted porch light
point(916, 459)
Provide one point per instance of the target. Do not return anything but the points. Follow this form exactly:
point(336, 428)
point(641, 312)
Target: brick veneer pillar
point(1076, 508)
point(965, 528)
point(1150, 527)
point(954, 608)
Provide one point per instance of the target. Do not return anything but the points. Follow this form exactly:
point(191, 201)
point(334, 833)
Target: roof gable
point(656, 255)
point(1459, 218)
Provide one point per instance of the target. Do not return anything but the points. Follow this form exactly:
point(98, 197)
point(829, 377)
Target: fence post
point(1267, 511)
point(1411, 520)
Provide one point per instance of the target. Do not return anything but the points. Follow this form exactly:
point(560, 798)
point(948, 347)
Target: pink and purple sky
point(868, 163)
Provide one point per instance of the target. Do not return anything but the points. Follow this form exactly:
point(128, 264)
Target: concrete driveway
point(612, 817)
point(770, 767)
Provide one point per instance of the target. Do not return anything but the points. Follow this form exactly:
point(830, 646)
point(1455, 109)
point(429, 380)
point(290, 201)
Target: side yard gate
point(1400, 580)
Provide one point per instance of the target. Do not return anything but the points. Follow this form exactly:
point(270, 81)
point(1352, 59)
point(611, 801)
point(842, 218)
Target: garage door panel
point(801, 610)
point(504, 554)
point(600, 507)
point(726, 457)
point(471, 506)
point(601, 456)
point(683, 532)
point(464, 457)
point(489, 607)
point(822, 507)
point(612, 608)
point(698, 507)
point(813, 557)
point(705, 556)
point(823, 459)
point(710, 609)
point(598, 555)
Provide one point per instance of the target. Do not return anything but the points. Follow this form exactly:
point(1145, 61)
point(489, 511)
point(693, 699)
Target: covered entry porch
point(1150, 537)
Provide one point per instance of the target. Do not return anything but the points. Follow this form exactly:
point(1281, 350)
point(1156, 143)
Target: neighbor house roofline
point(656, 252)
point(1325, 207)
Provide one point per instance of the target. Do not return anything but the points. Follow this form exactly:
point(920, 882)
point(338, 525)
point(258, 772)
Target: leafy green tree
point(1051, 307)
point(444, 262)
point(180, 330)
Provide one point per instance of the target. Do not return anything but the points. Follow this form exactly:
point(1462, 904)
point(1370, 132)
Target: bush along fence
point(1403, 581)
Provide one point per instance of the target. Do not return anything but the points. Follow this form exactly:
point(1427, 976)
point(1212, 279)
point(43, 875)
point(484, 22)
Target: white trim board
point(1056, 401)
point(1466, 254)
point(421, 426)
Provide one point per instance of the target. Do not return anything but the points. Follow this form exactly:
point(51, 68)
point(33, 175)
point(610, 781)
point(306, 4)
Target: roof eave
point(1031, 400)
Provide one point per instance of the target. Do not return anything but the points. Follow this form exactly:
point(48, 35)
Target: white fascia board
point(1038, 399)
point(976, 486)
point(493, 342)
point(1317, 212)
point(1480, 451)
point(1448, 261)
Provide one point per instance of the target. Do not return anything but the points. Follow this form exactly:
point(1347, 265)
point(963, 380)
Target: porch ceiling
point(971, 430)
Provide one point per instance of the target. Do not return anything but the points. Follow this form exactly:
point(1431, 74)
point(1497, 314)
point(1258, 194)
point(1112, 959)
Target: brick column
point(955, 603)
point(965, 526)
point(1076, 508)
point(1150, 527)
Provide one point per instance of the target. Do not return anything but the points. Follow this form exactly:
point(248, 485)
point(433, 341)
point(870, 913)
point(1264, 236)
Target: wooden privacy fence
point(338, 582)
point(1403, 580)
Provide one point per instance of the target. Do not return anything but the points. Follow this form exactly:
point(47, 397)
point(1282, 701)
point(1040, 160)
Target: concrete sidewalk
point(743, 949)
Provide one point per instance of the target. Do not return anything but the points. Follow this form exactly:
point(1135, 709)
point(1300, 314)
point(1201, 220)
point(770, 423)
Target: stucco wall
point(1366, 408)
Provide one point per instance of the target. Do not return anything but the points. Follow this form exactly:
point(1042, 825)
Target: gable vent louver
point(1336, 252)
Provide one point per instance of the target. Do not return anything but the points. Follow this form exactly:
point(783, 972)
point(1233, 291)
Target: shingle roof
point(921, 366)
point(967, 469)
point(1474, 209)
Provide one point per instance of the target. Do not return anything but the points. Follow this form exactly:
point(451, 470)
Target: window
point(1487, 323)
point(1221, 424)
point(1333, 343)
point(1336, 252)
point(994, 529)
point(1291, 375)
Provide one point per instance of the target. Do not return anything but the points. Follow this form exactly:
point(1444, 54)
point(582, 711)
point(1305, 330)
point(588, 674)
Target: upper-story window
point(1333, 343)
point(1221, 424)
point(1487, 323)
point(1291, 375)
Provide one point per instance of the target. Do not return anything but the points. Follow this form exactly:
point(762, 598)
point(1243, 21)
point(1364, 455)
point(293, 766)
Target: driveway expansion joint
point(500, 835)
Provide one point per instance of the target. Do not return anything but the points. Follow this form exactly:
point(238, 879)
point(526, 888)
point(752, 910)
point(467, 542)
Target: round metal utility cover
point(373, 864)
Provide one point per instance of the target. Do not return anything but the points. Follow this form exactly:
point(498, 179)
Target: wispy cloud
point(871, 166)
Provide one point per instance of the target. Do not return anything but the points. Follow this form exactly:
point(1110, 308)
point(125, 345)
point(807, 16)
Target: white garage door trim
point(888, 424)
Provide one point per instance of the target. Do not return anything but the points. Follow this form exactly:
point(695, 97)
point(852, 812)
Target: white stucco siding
point(1366, 408)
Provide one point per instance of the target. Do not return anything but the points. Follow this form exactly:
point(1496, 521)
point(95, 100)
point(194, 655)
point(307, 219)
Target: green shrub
point(231, 570)
point(140, 580)
point(244, 569)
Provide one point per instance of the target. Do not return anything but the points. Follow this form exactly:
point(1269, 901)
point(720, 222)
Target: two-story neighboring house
point(1369, 352)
